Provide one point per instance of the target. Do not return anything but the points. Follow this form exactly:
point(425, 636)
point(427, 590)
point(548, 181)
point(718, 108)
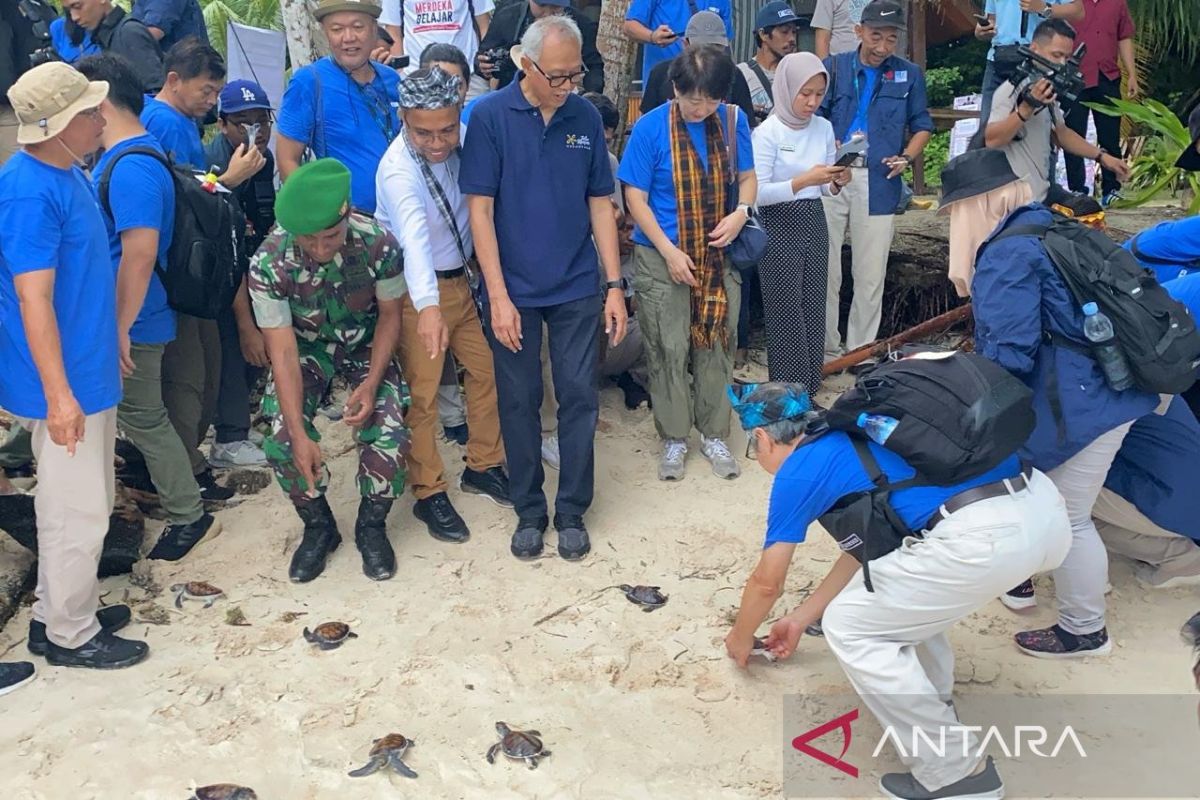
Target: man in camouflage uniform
point(326, 286)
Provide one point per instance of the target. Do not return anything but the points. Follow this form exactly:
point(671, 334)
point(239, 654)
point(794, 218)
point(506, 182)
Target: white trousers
point(870, 243)
point(892, 643)
point(73, 502)
point(1129, 532)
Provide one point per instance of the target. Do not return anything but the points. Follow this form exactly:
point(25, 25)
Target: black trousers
point(1108, 133)
point(574, 363)
point(232, 422)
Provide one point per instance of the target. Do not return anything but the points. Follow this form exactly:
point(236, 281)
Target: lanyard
point(377, 108)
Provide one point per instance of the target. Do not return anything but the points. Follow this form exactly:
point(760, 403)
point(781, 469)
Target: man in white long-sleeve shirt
point(420, 203)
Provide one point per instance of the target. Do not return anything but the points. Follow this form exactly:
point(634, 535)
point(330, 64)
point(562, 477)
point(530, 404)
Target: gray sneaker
point(674, 458)
point(984, 786)
point(723, 463)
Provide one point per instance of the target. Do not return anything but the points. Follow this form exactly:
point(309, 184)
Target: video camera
point(1066, 78)
point(498, 56)
point(40, 14)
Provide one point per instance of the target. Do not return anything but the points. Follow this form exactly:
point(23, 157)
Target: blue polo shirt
point(675, 14)
point(1155, 469)
point(356, 124)
point(646, 164)
point(67, 50)
point(895, 102)
point(176, 132)
point(51, 220)
point(820, 473)
point(541, 177)
point(177, 19)
point(1008, 23)
point(141, 194)
point(1170, 249)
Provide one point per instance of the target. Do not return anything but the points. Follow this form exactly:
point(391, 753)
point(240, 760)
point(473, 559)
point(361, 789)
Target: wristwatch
point(747, 209)
point(1045, 12)
point(620, 283)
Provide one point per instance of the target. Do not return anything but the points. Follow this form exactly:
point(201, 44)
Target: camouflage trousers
point(383, 440)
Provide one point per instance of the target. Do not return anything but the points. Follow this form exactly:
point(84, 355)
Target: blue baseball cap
point(775, 13)
point(240, 95)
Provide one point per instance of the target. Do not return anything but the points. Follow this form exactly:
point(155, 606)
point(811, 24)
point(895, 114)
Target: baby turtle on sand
point(648, 597)
point(224, 791)
point(329, 635)
point(196, 590)
point(386, 752)
point(760, 649)
point(518, 745)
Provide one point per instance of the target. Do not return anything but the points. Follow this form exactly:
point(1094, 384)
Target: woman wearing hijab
point(793, 160)
point(678, 182)
point(1027, 321)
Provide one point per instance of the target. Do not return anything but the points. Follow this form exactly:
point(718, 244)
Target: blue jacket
point(1170, 249)
point(1156, 466)
point(1018, 296)
point(898, 102)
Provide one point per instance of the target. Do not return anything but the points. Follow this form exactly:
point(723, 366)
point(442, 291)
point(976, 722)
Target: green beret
point(314, 198)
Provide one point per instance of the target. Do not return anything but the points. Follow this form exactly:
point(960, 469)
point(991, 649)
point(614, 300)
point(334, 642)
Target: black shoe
point(111, 619)
point(210, 490)
point(177, 541)
point(527, 538)
point(14, 675)
point(986, 784)
point(458, 434)
point(370, 535)
point(573, 541)
point(635, 393)
point(441, 519)
point(102, 651)
point(321, 538)
point(492, 483)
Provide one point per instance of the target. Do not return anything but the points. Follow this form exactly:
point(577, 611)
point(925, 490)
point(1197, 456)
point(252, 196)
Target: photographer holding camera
point(117, 32)
point(509, 25)
point(1026, 116)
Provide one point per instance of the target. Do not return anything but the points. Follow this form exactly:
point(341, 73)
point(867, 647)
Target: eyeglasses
point(91, 113)
point(558, 81)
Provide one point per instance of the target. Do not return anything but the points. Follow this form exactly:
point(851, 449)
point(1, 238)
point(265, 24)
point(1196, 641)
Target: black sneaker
point(984, 786)
point(102, 651)
point(573, 541)
point(1056, 642)
point(210, 490)
point(441, 519)
point(492, 483)
point(1020, 598)
point(459, 434)
point(527, 538)
point(177, 541)
point(111, 619)
point(14, 675)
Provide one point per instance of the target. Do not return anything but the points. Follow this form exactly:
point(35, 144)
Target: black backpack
point(1155, 331)
point(207, 258)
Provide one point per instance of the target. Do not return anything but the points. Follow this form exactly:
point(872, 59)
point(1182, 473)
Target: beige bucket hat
point(48, 97)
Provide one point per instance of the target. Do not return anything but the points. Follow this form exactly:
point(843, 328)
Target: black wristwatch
point(620, 283)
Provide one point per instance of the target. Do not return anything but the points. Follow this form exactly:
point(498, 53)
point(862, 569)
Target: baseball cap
point(327, 7)
point(775, 13)
point(559, 3)
point(1190, 159)
point(240, 95)
point(705, 27)
point(47, 97)
point(883, 14)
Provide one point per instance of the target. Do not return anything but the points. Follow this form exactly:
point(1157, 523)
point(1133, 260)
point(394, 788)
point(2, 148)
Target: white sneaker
point(237, 454)
point(550, 451)
point(1148, 577)
point(723, 463)
point(672, 466)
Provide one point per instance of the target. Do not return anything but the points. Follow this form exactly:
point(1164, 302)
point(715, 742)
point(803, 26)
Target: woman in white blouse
point(793, 159)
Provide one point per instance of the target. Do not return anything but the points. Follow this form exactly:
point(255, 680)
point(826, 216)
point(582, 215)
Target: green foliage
point(1164, 25)
point(936, 154)
point(941, 84)
point(257, 13)
point(968, 55)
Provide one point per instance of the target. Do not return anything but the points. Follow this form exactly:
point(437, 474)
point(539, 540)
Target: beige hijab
point(793, 71)
point(972, 220)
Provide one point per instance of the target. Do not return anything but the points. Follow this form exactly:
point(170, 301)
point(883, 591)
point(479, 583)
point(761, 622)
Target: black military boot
point(321, 538)
point(370, 534)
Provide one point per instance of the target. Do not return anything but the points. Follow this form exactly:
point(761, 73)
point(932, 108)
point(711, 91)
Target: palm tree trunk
point(305, 40)
point(619, 56)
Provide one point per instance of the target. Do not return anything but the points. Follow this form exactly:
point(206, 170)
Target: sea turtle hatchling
point(329, 635)
point(526, 745)
point(386, 752)
point(648, 597)
point(196, 590)
point(224, 791)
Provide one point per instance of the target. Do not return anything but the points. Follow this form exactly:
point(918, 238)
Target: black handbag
point(751, 243)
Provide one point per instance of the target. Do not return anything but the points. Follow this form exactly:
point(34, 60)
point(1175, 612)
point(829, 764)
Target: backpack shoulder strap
point(731, 137)
point(106, 176)
point(761, 73)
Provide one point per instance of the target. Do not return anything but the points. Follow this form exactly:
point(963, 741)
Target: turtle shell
point(649, 596)
point(197, 589)
point(225, 791)
point(392, 743)
point(519, 744)
point(328, 632)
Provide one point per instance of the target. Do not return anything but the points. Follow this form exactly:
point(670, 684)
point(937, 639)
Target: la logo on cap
point(247, 95)
point(783, 13)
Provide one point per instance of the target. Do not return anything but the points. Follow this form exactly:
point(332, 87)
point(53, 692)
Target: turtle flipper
point(351, 635)
point(531, 762)
point(648, 609)
point(534, 733)
point(179, 600)
point(399, 766)
point(209, 602)
point(370, 768)
point(543, 754)
point(491, 753)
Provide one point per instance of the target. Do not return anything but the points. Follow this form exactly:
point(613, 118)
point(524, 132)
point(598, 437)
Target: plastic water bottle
point(877, 426)
point(1099, 331)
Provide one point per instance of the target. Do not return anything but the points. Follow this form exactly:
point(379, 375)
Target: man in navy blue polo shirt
point(537, 178)
point(659, 25)
point(171, 21)
point(872, 92)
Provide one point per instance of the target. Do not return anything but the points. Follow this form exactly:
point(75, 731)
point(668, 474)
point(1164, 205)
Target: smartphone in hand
point(849, 152)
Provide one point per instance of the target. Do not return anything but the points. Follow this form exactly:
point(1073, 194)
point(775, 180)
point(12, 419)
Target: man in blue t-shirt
point(536, 176)
point(171, 21)
point(1171, 249)
point(58, 345)
point(659, 25)
point(344, 106)
point(975, 539)
point(137, 196)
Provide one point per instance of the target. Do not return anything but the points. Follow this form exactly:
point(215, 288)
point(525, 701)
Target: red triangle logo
point(801, 743)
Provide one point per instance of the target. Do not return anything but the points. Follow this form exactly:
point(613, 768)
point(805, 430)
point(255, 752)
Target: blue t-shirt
point(67, 50)
point(675, 14)
point(356, 125)
point(1170, 249)
point(646, 164)
point(141, 194)
point(1008, 23)
point(864, 85)
point(819, 474)
point(541, 177)
point(176, 132)
point(177, 19)
point(1187, 291)
point(51, 220)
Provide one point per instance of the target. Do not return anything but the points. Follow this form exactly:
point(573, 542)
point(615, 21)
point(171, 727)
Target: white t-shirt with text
point(428, 21)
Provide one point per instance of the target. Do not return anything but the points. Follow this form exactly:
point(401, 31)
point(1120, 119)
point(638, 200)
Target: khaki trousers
point(191, 382)
point(73, 503)
point(426, 472)
point(1129, 532)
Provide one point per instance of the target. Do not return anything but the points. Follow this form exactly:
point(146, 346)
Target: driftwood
point(884, 346)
